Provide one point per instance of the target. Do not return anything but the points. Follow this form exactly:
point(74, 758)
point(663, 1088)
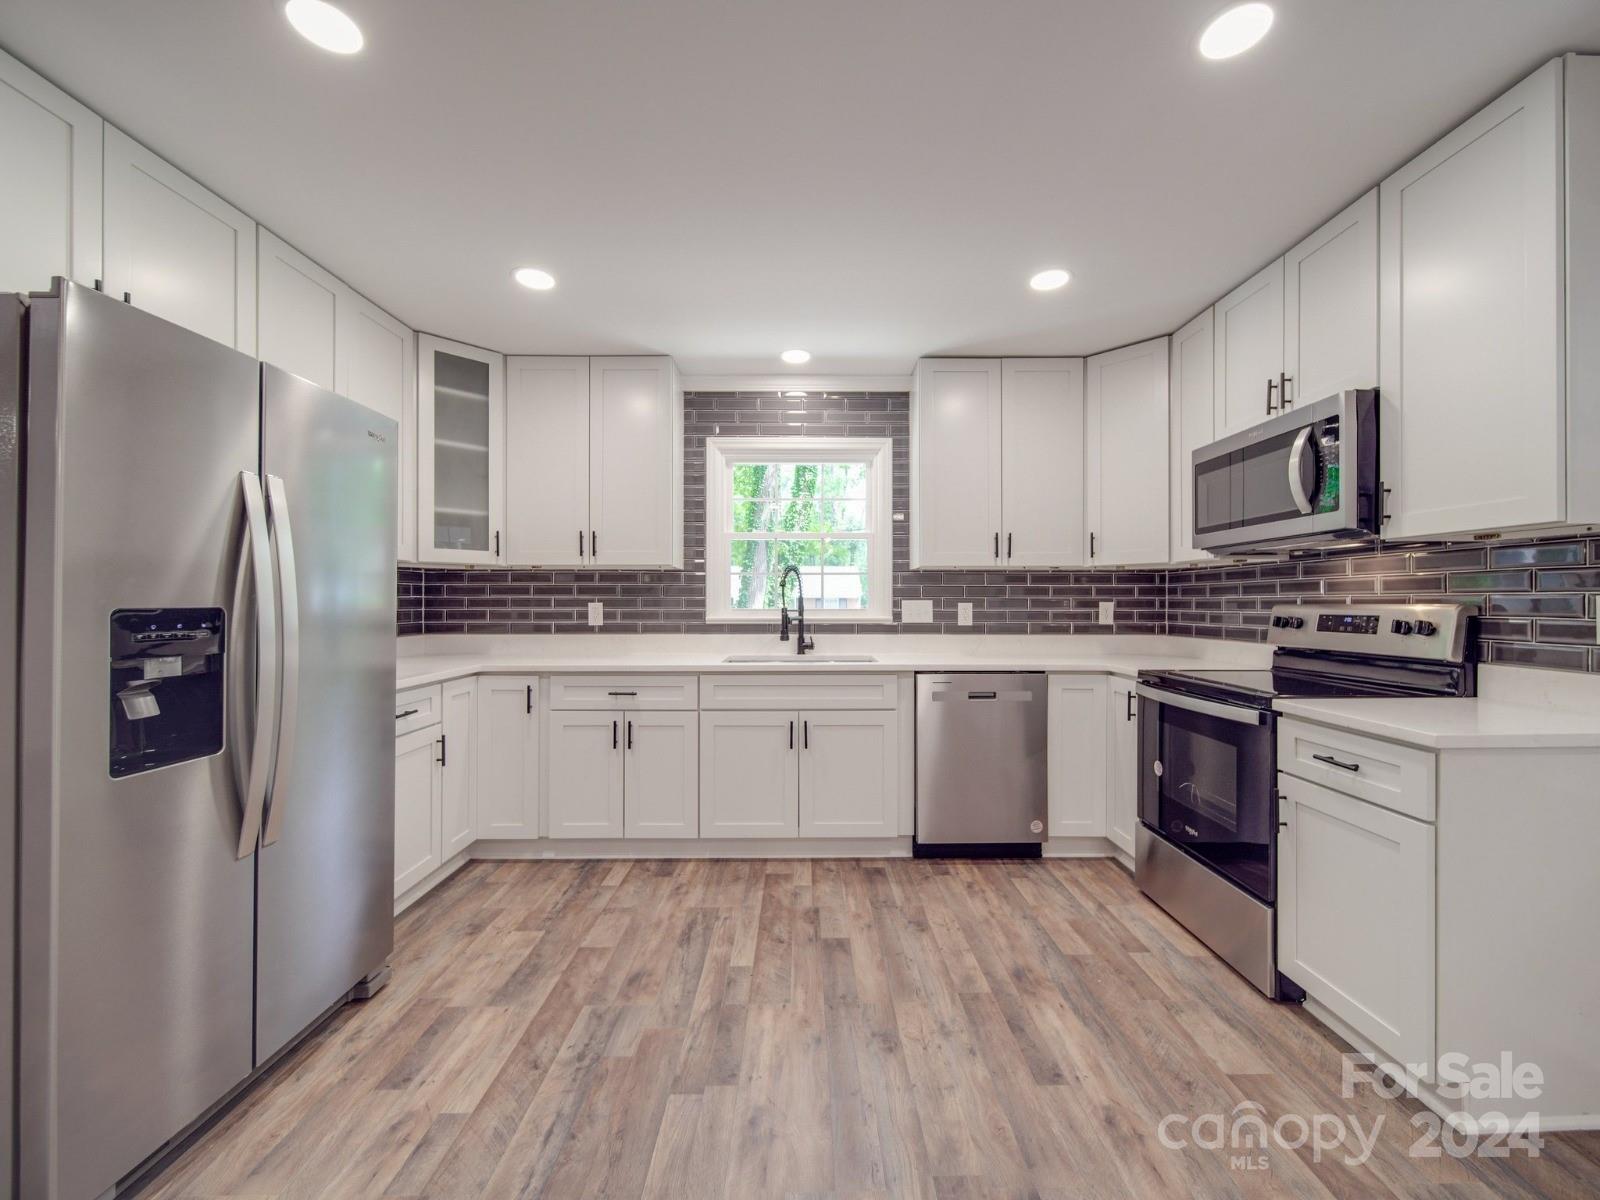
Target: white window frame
point(876, 454)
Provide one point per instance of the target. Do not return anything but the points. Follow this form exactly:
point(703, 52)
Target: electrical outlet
point(964, 613)
point(597, 612)
point(1108, 612)
point(916, 612)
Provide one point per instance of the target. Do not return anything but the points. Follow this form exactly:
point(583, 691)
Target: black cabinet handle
point(1284, 403)
point(594, 544)
point(613, 735)
point(1272, 386)
point(497, 543)
point(530, 697)
point(410, 712)
point(997, 546)
point(791, 735)
point(1008, 545)
point(805, 735)
point(1131, 713)
point(441, 749)
point(1334, 762)
point(580, 543)
point(630, 735)
point(622, 693)
point(1091, 543)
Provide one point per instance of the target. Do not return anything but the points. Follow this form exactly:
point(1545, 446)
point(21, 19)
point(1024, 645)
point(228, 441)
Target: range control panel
point(1435, 632)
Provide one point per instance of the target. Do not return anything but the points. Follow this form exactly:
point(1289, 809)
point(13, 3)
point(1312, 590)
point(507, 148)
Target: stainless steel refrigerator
point(205, 794)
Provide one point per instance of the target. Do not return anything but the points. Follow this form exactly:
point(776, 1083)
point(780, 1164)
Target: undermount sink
point(798, 659)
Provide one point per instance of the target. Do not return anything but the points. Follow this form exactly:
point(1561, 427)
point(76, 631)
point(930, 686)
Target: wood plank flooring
point(855, 1029)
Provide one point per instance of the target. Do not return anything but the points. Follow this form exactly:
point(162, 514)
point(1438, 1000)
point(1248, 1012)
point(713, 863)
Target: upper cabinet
point(460, 452)
point(296, 322)
point(1248, 351)
point(1193, 425)
point(175, 249)
point(1488, 411)
point(1330, 307)
point(997, 463)
point(50, 185)
point(1127, 425)
point(598, 450)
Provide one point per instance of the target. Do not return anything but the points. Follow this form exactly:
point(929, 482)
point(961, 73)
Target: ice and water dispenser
point(166, 687)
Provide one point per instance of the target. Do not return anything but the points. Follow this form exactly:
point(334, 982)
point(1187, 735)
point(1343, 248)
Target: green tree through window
point(809, 515)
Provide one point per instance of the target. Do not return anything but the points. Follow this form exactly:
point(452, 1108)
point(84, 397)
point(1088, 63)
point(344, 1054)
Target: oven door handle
point(1210, 708)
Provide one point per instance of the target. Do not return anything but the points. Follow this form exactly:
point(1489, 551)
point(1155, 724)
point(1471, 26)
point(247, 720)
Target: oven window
point(1246, 487)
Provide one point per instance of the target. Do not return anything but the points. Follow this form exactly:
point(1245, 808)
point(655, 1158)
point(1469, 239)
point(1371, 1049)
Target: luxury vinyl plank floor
point(850, 1029)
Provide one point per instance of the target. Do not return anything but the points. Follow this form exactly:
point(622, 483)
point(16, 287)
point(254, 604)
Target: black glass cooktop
point(1258, 689)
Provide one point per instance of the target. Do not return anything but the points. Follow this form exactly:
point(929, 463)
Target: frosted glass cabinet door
point(460, 452)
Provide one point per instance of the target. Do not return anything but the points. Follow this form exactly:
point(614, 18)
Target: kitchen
point(922, 664)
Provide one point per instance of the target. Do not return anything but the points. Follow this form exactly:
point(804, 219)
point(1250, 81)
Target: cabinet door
point(460, 454)
point(635, 463)
point(418, 779)
point(547, 442)
point(583, 774)
point(1330, 307)
point(508, 756)
point(1248, 350)
point(1356, 914)
point(177, 250)
point(1193, 426)
point(1078, 746)
point(375, 363)
point(956, 458)
point(50, 188)
point(749, 777)
point(1470, 264)
point(1122, 763)
point(458, 817)
point(662, 777)
point(849, 774)
point(1042, 462)
point(1128, 423)
point(296, 318)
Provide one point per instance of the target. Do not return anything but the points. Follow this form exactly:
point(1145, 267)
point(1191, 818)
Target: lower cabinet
point(508, 756)
point(1078, 746)
point(811, 773)
point(661, 774)
point(418, 791)
point(457, 811)
point(583, 774)
point(1122, 763)
point(1356, 914)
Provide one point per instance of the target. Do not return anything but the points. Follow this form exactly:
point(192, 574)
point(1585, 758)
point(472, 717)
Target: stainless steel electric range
point(1206, 843)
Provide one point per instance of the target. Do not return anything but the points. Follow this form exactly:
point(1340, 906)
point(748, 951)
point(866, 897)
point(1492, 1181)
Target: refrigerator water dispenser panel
point(166, 687)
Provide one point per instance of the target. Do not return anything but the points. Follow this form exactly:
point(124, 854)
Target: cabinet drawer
point(417, 708)
point(624, 691)
point(1393, 776)
point(753, 692)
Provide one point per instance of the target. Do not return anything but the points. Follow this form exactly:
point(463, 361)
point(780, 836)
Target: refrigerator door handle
point(289, 619)
point(255, 563)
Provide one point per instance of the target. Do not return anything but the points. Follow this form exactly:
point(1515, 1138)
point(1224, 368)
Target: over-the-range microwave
point(1307, 477)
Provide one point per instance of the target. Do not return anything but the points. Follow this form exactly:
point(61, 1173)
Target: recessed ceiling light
point(795, 357)
point(321, 24)
point(1049, 281)
point(533, 277)
point(1236, 30)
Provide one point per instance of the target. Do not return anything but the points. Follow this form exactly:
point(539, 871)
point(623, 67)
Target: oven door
point(1206, 783)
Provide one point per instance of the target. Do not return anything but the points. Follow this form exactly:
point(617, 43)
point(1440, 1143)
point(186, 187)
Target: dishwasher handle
point(983, 695)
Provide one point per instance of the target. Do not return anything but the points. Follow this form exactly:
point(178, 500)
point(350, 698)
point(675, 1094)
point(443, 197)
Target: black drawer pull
point(1334, 762)
point(410, 712)
point(622, 693)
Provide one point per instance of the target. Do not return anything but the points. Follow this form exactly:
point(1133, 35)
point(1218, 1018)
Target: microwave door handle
point(1297, 471)
point(252, 769)
point(289, 693)
point(1238, 714)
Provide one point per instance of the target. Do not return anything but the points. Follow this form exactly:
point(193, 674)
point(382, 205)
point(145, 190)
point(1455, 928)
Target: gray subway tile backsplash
point(1536, 594)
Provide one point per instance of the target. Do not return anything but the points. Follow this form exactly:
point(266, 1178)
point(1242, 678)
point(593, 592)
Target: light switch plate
point(964, 613)
point(597, 612)
point(1108, 612)
point(916, 612)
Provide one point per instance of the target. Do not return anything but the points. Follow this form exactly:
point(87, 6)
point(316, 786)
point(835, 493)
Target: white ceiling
point(872, 180)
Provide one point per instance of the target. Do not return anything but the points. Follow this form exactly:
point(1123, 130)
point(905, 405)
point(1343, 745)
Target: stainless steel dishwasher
point(981, 764)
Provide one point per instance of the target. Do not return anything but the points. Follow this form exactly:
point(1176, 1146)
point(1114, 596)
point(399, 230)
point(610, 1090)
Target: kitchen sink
point(798, 659)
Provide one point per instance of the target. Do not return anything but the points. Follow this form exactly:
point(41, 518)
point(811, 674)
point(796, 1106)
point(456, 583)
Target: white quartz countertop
point(1456, 724)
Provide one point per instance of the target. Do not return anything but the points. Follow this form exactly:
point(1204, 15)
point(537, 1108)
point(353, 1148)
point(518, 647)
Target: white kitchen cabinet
point(1356, 915)
point(1192, 426)
point(661, 774)
point(375, 363)
point(50, 188)
point(583, 774)
point(1471, 312)
point(547, 437)
point(418, 789)
point(749, 777)
point(176, 249)
point(849, 774)
point(1330, 307)
point(1042, 462)
point(1247, 328)
point(507, 764)
point(1127, 424)
point(1077, 755)
point(1122, 762)
point(956, 457)
point(460, 452)
point(458, 820)
point(635, 463)
point(297, 311)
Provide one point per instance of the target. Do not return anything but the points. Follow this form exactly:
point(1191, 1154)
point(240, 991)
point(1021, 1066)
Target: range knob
point(1427, 628)
point(1401, 627)
point(1294, 622)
